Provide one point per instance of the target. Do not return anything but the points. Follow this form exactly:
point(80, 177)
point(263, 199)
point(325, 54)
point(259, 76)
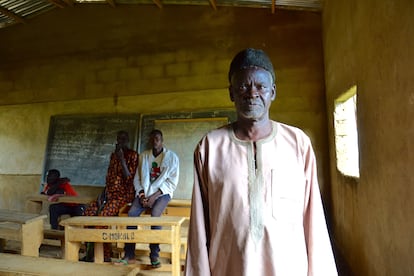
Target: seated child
point(55, 188)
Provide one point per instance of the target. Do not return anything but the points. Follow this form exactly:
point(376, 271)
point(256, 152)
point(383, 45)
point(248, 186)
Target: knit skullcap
point(251, 58)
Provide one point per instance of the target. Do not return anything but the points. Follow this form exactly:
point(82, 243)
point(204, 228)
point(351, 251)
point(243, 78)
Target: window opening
point(346, 133)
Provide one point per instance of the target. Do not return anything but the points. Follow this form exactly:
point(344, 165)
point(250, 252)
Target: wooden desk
point(38, 203)
point(24, 227)
point(75, 233)
point(178, 207)
point(180, 202)
point(175, 208)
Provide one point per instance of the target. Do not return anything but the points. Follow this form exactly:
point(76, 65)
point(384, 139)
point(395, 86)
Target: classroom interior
point(100, 59)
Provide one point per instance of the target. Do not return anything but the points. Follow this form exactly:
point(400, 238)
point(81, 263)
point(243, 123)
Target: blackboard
point(181, 132)
point(79, 146)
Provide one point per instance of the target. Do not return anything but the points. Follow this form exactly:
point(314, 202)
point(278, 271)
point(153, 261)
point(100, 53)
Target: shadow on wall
point(342, 265)
point(15, 188)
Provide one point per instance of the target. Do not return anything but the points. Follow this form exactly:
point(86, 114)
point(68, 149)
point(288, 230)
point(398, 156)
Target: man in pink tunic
point(256, 206)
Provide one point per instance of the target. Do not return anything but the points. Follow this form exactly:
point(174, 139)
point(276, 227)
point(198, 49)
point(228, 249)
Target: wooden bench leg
point(176, 251)
point(99, 253)
point(72, 251)
point(32, 237)
point(71, 248)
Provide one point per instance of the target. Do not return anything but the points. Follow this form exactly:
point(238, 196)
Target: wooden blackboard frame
point(80, 145)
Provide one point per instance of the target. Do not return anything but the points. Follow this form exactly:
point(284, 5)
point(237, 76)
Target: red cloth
point(68, 191)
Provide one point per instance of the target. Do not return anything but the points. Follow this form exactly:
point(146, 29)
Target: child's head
point(52, 176)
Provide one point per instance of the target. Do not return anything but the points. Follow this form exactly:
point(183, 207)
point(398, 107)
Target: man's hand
point(54, 198)
point(152, 198)
point(143, 201)
point(119, 152)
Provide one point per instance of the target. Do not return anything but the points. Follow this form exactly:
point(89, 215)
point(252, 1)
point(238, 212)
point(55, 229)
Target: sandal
point(155, 263)
point(124, 261)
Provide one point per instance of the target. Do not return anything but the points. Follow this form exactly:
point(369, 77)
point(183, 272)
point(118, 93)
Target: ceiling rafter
point(69, 3)
point(58, 3)
point(213, 4)
point(112, 3)
point(12, 15)
point(158, 3)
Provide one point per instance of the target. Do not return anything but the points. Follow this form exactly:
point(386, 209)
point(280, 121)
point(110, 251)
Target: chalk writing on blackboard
point(79, 146)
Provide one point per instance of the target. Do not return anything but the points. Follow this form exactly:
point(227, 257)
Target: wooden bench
point(38, 203)
point(51, 235)
point(54, 234)
point(12, 264)
point(177, 208)
point(77, 230)
point(24, 227)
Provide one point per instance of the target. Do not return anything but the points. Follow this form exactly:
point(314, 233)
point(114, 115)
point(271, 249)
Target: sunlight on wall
point(346, 133)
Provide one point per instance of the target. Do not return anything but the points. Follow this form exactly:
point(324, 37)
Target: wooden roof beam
point(111, 2)
point(57, 3)
point(69, 2)
point(213, 4)
point(158, 3)
point(11, 14)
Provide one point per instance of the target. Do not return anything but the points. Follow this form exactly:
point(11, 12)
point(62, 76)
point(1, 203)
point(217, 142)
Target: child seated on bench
point(55, 188)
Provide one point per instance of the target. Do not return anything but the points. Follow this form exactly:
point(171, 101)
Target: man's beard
point(252, 112)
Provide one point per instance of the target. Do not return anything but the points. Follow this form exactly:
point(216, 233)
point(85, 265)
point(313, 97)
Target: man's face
point(156, 141)
point(252, 90)
point(122, 139)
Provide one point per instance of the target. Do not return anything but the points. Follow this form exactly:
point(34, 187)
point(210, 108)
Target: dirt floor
point(52, 250)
